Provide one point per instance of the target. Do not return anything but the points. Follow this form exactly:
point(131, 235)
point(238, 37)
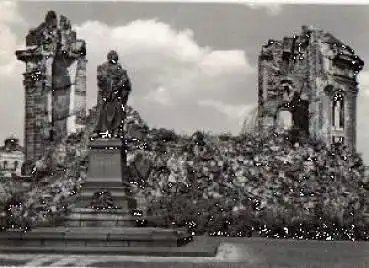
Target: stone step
point(95, 237)
point(90, 211)
point(115, 193)
point(100, 220)
point(200, 251)
point(102, 183)
point(119, 197)
point(87, 217)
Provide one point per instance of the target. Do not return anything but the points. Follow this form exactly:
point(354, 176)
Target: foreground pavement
point(232, 252)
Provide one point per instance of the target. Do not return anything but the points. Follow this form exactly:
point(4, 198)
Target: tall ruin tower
point(313, 77)
point(55, 84)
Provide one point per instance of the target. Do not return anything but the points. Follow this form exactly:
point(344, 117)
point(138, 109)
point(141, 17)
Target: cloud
point(272, 8)
point(6, 48)
point(170, 70)
point(9, 16)
point(363, 114)
point(9, 13)
point(238, 112)
point(11, 90)
point(363, 79)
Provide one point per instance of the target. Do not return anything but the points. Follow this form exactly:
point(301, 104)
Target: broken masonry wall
point(51, 53)
point(302, 74)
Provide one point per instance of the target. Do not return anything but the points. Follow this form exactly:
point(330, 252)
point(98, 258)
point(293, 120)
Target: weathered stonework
point(55, 84)
point(312, 75)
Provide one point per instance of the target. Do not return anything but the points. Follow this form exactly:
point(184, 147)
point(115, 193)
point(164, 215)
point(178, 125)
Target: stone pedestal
point(107, 163)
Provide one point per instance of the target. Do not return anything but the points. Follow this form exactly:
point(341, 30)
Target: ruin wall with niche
point(54, 83)
point(313, 75)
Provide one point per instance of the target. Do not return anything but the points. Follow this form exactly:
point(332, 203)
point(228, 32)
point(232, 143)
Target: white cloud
point(272, 8)
point(160, 95)
point(168, 68)
point(11, 90)
point(9, 13)
point(362, 115)
point(238, 112)
point(363, 79)
point(7, 45)
point(9, 16)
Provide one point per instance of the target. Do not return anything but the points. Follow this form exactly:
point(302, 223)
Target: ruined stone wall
point(79, 105)
point(313, 76)
point(53, 83)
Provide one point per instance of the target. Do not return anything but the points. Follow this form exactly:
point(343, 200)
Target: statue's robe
point(114, 87)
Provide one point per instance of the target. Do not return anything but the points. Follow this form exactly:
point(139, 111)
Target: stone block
point(85, 235)
point(91, 211)
point(117, 243)
point(97, 223)
point(126, 223)
point(75, 243)
point(43, 235)
point(96, 243)
point(98, 217)
point(53, 243)
point(11, 235)
point(128, 236)
point(32, 242)
point(72, 223)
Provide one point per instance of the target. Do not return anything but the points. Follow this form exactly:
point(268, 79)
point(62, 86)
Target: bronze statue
point(114, 87)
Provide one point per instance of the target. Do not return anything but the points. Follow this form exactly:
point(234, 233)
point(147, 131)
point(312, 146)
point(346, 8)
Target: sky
point(193, 66)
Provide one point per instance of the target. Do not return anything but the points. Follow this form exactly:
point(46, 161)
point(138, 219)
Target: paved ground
point(233, 252)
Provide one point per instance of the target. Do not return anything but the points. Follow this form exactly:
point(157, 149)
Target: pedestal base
point(107, 163)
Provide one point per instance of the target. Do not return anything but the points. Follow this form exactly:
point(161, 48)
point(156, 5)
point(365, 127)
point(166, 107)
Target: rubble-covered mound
point(232, 185)
point(219, 184)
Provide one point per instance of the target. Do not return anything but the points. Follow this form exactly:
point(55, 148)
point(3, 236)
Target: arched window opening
point(284, 120)
point(338, 111)
point(16, 165)
point(5, 163)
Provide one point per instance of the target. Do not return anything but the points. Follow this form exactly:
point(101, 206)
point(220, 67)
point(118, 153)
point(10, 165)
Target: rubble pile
point(278, 187)
point(217, 184)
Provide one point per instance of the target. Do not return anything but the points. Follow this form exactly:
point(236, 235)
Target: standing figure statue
point(114, 87)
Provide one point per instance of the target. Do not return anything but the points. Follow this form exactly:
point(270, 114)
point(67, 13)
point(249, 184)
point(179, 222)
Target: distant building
point(11, 158)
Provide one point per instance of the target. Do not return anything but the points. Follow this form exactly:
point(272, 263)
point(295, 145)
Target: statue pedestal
point(105, 161)
point(106, 167)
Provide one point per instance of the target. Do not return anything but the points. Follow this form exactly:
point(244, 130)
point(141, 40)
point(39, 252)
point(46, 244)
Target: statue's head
point(113, 57)
point(51, 19)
